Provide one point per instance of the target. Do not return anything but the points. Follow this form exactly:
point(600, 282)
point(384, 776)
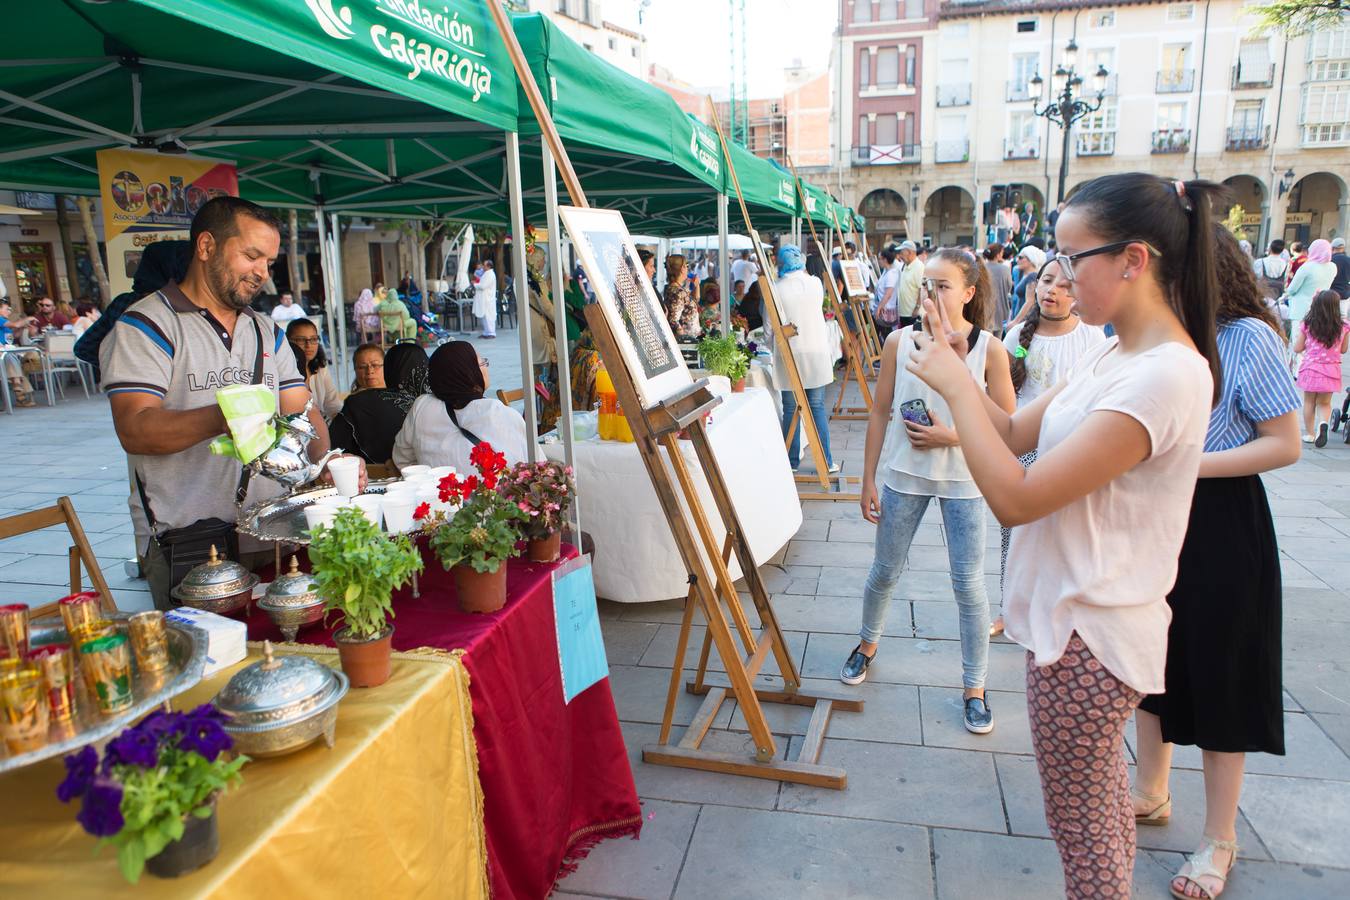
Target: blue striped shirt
point(1256, 383)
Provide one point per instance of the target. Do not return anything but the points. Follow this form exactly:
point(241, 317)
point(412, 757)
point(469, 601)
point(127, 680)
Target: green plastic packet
point(249, 412)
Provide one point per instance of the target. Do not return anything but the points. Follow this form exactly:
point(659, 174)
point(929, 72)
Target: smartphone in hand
point(915, 411)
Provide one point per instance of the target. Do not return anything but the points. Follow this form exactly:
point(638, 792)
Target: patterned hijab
point(406, 374)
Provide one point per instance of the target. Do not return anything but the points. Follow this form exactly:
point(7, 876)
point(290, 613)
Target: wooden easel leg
point(677, 668)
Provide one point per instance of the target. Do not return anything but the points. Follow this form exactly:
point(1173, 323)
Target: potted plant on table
point(357, 568)
point(476, 541)
point(153, 794)
point(723, 356)
point(543, 491)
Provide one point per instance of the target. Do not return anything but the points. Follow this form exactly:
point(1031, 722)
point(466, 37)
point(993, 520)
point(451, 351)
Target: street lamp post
point(1068, 106)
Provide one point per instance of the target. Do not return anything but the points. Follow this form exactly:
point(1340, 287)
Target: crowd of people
point(1148, 372)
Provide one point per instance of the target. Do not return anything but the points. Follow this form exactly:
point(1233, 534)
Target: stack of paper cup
point(318, 514)
point(398, 512)
point(441, 471)
point(370, 505)
point(346, 472)
point(408, 472)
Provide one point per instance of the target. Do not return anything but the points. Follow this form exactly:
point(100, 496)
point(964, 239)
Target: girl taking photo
point(1223, 645)
point(1102, 512)
point(921, 459)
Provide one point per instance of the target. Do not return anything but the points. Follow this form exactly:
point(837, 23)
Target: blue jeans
point(963, 522)
point(815, 398)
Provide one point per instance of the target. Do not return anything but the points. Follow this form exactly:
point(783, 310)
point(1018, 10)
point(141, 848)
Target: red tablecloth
point(555, 777)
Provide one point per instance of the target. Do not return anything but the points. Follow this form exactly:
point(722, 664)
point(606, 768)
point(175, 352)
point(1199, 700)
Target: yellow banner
point(150, 197)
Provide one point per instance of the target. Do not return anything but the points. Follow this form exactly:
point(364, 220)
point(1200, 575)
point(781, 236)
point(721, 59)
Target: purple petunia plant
point(542, 491)
point(150, 778)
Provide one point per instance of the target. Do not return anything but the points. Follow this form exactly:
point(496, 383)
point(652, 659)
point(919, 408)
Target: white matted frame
point(853, 279)
point(628, 300)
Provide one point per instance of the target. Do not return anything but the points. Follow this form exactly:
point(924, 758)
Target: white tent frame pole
point(521, 281)
point(326, 265)
point(724, 261)
point(555, 264)
point(341, 292)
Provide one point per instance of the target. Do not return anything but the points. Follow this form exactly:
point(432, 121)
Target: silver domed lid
point(278, 691)
point(214, 579)
point(293, 590)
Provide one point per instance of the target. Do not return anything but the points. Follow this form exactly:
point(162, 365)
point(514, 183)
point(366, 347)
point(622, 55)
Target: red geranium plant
point(543, 491)
point(484, 530)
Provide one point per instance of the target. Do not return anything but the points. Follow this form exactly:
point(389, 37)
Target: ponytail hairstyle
point(1323, 322)
point(1239, 296)
point(974, 273)
point(1177, 219)
point(1024, 338)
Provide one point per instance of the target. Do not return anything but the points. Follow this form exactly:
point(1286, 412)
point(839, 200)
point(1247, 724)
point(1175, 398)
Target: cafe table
point(393, 809)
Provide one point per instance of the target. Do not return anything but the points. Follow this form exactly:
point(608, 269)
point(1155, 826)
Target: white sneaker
point(1307, 439)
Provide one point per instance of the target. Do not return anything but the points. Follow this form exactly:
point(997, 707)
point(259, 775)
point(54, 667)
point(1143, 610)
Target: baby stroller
point(1340, 418)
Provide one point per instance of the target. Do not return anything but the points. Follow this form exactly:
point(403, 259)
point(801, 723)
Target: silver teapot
point(287, 461)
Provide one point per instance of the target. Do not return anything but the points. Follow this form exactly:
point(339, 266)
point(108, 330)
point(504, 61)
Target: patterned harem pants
point(1078, 712)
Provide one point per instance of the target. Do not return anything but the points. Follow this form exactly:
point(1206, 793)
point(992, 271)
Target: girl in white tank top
point(908, 463)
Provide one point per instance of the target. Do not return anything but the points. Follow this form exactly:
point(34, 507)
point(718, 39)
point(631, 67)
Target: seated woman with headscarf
point(445, 425)
point(394, 317)
point(370, 420)
point(365, 315)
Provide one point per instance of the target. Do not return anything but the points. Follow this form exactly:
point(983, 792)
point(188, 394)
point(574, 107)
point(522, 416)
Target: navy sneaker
point(979, 717)
point(1320, 440)
point(855, 667)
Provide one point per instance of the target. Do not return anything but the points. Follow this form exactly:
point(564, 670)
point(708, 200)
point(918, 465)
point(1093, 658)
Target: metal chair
point(61, 359)
point(506, 307)
point(18, 352)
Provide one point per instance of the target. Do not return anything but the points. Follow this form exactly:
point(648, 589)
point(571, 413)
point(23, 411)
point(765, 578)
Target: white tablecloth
point(636, 560)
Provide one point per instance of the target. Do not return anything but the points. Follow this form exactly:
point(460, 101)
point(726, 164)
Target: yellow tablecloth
point(394, 809)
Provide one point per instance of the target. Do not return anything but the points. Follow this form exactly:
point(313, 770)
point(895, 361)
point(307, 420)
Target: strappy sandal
point(1201, 865)
point(1159, 814)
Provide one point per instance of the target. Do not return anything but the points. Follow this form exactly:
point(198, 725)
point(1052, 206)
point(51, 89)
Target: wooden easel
point(710, 581)
point(852, 349)
point(860, 304)
point(830, 486)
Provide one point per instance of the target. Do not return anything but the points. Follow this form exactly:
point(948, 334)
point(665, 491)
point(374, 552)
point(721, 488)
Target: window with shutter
point(862, 11)
point(888, 129)
point(888, 11)
point(865, 68)
point(888, 67)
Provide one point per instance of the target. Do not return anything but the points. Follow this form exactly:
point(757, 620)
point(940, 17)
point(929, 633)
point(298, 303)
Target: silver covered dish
point(217, 585)
point(292, 601)
point(280, 704)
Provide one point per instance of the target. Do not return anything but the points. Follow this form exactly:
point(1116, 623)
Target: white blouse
point(327, 397)
point(801, 297)
point(429, 438)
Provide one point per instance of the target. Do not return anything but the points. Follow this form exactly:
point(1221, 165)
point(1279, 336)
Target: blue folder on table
point(581, 646)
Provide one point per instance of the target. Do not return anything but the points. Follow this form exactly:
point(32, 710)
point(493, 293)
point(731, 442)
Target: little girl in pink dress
point(1322, 337)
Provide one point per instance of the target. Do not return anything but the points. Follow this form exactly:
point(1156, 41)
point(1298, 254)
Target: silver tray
point(187, 659)
point(283, 518)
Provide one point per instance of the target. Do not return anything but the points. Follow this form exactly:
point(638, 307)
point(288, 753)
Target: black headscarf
point(405, 373)
point(455, 375)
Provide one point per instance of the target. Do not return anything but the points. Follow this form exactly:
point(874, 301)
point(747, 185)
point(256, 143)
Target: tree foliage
point(1295, 17)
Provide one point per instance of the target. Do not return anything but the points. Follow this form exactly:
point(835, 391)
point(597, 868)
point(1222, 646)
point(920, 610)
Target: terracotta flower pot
point(480, 592)
point(366, 662)
point(198, 846)
point(738, 386)
point(545, 550)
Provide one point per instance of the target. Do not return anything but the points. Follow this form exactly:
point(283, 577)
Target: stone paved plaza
point(930, 810)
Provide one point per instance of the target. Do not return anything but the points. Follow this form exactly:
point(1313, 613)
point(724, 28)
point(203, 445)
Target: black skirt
point(1223, 647)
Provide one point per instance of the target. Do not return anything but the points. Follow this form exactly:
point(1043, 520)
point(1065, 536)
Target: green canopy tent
point(364, 110)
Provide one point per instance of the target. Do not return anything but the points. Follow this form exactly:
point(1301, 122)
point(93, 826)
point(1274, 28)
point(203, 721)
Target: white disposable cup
point(370, 505)
point(400, 487)
point(316, 515)
point(442, 471)
point(398, 512)
point(332, 501)
point(407, 472)
point(346, 471)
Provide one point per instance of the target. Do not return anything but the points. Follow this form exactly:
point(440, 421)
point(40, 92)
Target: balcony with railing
point(1020, 92)
point(1250, 77)
point(953, 94)
point(886, 155)
point(1020, 149)
point(1097, 143)
point(952, 151)
point(1172, 140)
point(1248, 138)
point(1176, 81)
